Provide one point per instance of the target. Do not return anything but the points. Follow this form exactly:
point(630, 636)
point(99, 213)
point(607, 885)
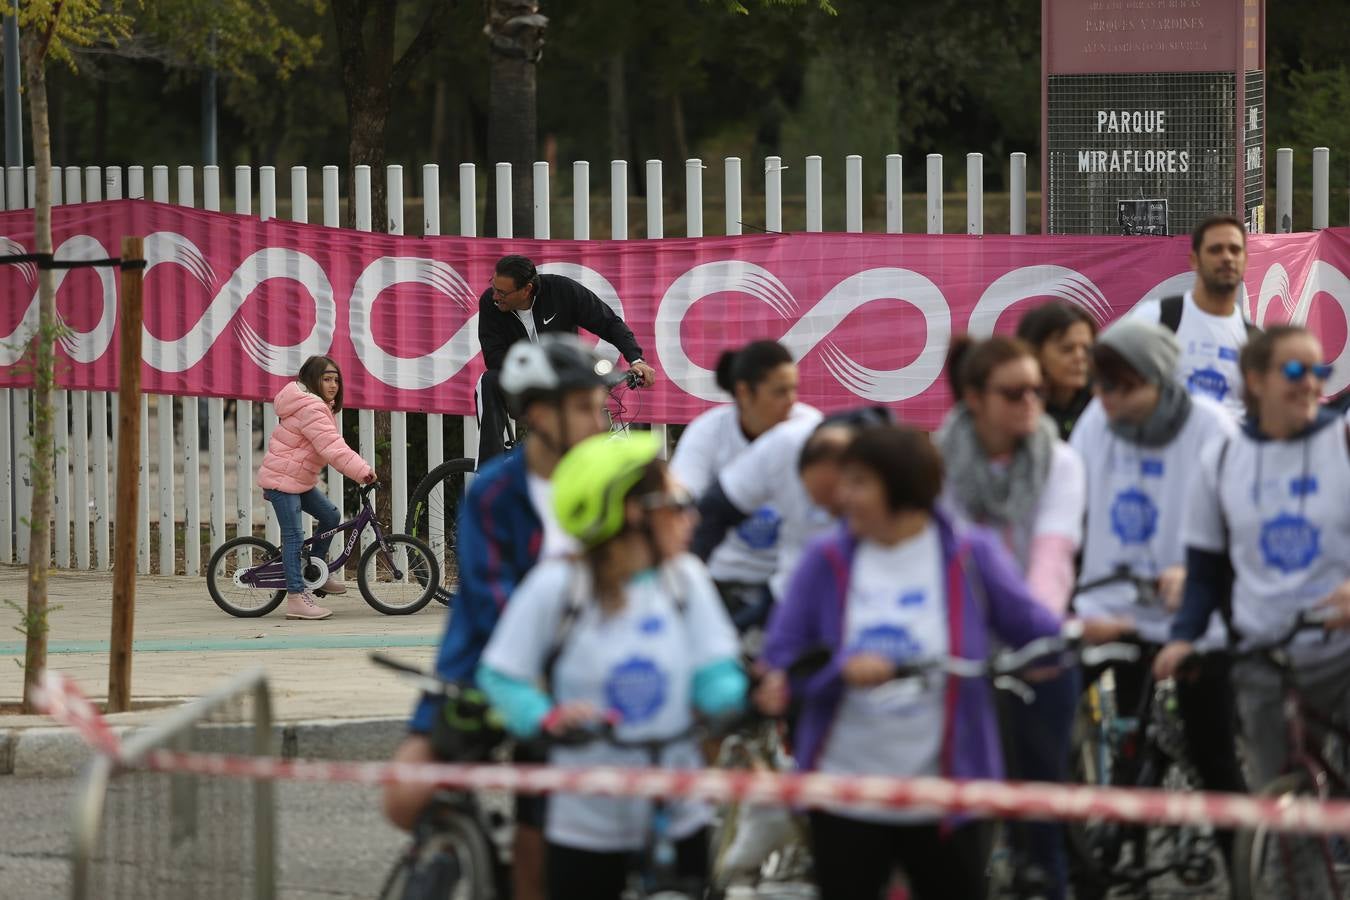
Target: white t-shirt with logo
point(708, 445)
point(897, 607)
point(1059, 511)
point(766, 474)
point(639, 661)
point(1282, 511)
point(1136, 507)
point(1210, 345)
point(556, 541)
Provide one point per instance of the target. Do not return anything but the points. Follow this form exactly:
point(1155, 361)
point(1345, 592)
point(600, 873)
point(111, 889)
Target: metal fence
point(148, 835)
point(203, 474)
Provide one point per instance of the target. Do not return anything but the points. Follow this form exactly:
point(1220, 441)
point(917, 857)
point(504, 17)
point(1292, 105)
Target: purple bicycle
point(397, 574)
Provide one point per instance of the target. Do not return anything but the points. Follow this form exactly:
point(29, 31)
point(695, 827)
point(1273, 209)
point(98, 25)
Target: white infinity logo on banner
point(168, 248)
point(812, 328)
point(1036, 281)
point(81, 346)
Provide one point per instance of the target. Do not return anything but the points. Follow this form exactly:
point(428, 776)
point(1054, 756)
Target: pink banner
point(233, 305)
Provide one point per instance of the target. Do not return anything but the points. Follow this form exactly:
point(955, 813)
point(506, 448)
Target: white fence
point(85, 455)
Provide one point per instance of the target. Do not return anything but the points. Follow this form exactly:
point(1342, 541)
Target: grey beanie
point(1149, 348)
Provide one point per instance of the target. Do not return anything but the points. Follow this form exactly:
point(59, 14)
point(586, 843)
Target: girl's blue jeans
point(288, 508)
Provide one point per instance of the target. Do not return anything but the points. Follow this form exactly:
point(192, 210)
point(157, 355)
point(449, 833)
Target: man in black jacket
point(523, 304)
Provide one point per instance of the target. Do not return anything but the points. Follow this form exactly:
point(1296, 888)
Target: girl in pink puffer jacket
point(307, 438)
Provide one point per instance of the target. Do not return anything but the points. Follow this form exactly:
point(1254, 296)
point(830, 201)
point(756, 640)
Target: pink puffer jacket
point(306, 439)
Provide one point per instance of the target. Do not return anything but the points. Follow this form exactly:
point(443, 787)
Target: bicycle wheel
point(1269, 865)
point(432, 517)
point(224, 573)
point(1095, 844)
point(455, 864)
point(397, 576)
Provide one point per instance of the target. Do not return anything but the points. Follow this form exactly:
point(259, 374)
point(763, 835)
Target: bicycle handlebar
point(1146, 589)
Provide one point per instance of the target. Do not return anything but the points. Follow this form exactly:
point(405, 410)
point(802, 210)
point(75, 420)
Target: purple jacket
point(986, 597)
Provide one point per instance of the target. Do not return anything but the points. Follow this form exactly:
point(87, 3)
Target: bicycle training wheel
point(433, 511)
point(398, 575)
point(224, 575)
point(1272, 865)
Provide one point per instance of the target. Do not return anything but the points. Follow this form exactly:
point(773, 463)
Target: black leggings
point(575, 874)
point(854, 859)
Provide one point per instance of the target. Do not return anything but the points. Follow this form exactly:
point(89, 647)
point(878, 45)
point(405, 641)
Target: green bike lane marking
point(194, 645)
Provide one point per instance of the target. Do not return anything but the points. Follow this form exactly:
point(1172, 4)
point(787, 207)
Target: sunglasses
point(679, 500)
point(1019, 393)
point(1297, 371)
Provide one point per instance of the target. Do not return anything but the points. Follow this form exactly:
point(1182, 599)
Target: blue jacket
point(499, 538)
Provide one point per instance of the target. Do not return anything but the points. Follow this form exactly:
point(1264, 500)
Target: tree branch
point(51, 30)
point(422, 44)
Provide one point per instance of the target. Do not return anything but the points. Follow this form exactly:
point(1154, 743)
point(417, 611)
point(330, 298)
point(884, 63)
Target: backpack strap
point(574, 605)
point(1169, 312)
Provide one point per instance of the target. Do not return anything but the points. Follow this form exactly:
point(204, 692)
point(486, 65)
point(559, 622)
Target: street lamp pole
point(13, 109)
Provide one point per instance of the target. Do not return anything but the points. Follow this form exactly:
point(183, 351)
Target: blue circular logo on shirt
point(636, 688)
point(891, 641)
point(1208, 382)
point(1134, 517)
point(1290, 543)
point(760, 531)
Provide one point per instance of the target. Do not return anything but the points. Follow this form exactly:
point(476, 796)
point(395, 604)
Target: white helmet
point(558, 363)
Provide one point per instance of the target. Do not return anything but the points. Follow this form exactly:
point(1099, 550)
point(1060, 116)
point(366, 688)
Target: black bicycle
point(433, 507)
point(1131, 735)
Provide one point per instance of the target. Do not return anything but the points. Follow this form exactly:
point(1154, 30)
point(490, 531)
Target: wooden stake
point(128, 480)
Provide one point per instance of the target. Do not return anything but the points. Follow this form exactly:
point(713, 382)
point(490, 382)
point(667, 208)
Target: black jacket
point(560, 304)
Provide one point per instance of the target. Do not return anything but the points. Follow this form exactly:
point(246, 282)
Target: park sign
point(1153, 114)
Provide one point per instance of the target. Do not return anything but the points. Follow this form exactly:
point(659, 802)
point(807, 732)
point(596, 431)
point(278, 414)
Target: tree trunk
point(619, 139)
point(516, 32)
point(39, 541)
point(368, 113)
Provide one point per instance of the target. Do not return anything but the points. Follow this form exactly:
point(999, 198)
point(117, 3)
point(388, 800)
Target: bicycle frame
point(271, 575)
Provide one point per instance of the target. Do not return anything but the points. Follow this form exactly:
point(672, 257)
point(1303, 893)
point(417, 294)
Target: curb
point(57, 752)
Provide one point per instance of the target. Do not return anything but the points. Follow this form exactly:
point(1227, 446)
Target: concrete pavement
point(329, 701)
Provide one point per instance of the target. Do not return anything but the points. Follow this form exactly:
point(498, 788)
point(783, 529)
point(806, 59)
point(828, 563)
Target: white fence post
point(215, 406)
point(773, 194)
point(243, 409)
point(656, 228)
point(365, 418)
point(1017, 200)
point(164, 411)
point(468, 227)
point(618, 205)
point(693, 197)
point(935, 193)
point(398, 421)
point(974, 193)
point(732, 166)
point(10, 514)
point(267, 210)
point(192, 466)
point(853, 207)
point(504, 224)
point(94, 180)
point(332, 219)
point(541, 206)
point(815, 202)
point(1284, 190)
point(895, 193)
point(1321, 186)
point(62, 459)
point(581, 200)
point(431, 227)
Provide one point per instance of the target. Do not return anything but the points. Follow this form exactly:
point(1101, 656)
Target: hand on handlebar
point(568, 717)
point(867, 670)
point(645, 372)
point(771, 694)
point(1103, 631)
point(1171, 585)
point(1336, 608)
point(1170, 658)
point(371, 478)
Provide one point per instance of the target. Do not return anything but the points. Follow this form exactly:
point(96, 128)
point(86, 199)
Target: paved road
point(334, 843)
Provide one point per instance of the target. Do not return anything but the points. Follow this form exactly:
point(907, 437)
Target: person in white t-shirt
point(630, 631)
point(1270, 514)
point(1008, 469)
point(793, 468)
point(1208, 319)
point(1142, 441)
point(762, 377)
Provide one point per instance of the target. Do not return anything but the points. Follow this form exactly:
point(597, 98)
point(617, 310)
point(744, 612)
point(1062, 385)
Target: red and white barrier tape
point(982, 798)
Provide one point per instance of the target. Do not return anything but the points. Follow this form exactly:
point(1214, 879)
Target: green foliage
point(70, 25)
point(243, 38)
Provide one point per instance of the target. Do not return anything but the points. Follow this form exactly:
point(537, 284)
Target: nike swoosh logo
point(550, 318)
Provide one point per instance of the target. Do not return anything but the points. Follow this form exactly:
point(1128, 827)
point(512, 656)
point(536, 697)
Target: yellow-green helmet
point(593, 479)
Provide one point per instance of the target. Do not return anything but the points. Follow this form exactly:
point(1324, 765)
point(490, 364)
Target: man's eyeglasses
point(1018, 393)
point(1295, 370)
point(502, 295)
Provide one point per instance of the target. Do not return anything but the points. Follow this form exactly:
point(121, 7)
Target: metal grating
point(1092, 168)
point(1254, 153)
